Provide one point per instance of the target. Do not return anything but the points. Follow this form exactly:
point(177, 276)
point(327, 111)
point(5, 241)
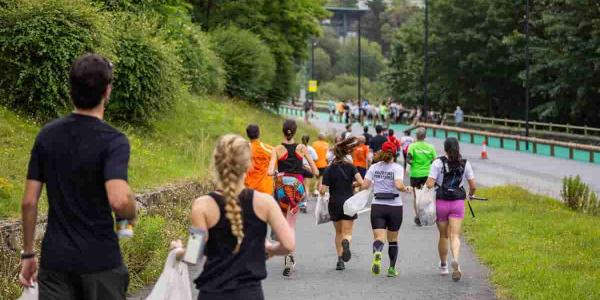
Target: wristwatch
point(25, 256)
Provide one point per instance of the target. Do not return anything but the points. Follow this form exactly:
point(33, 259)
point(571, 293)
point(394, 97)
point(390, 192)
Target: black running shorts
point(105, 285)
point(386, 217)
point(418, 182)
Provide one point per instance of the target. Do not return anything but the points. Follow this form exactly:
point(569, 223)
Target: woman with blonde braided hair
point(340, 178)
point(232, 221)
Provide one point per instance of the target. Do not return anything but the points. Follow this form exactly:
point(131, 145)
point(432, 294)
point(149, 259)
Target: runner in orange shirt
point(257, 177)
point(360, 156)
point(321, 147)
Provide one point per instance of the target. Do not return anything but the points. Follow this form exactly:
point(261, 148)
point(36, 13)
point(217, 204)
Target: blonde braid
point(232, 160)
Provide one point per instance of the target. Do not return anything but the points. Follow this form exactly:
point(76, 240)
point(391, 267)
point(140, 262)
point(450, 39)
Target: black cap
point(378, 129)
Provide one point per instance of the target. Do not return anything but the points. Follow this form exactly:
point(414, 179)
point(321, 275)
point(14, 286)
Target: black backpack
point(451, 188)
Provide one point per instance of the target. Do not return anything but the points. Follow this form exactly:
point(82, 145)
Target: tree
point(323, 67)
point(373, 62)
point(285, 25)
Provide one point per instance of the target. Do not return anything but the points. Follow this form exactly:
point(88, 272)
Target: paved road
point(537, 173)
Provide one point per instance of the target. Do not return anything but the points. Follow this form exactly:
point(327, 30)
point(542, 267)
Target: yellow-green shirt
point(422, 154)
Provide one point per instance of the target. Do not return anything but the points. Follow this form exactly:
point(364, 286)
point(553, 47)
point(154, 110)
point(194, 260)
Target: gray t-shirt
point(437, 172)
point(383, 175)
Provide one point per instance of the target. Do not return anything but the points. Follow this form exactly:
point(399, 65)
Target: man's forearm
point(129, 211)
point(29, 218)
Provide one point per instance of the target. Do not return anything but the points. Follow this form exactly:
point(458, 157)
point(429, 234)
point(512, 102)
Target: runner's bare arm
point(472, 187)
point(430, 183)
point(121, 198)
point(359, 180)
point(29, 211)
point(366, 184)
point(272, 163)
point(400, 185)
point(311, 162)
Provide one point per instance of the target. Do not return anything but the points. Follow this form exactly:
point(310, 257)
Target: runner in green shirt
point(420, 156)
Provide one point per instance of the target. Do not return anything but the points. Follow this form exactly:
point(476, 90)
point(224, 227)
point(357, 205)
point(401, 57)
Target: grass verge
point(535, 246)
point(176, 148)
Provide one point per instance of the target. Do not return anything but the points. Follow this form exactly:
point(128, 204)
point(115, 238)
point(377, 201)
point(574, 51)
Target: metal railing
point(564, 128)
point(535, 142)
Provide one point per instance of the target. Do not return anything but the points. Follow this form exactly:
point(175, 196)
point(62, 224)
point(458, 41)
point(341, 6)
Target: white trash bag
point(426, 206)
point(358, 202)
point(322, 209)
point(174, 282)
point(30, 293)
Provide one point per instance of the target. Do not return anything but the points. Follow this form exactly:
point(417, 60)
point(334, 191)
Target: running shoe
point(443, 269)
point(302, 206)
point(346, 254)
point(376, 264)
point(456, 273)
point(340, 265)
point(392, 272)
point(418, 222)
point(289, 265)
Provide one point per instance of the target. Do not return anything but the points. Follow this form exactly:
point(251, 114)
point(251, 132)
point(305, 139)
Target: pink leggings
point(449, 209)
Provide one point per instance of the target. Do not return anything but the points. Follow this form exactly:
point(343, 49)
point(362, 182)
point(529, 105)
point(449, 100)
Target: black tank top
point(290, 163)
point(225, 270)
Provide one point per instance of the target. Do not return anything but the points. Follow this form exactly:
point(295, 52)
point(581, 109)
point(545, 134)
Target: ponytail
point(452, 149)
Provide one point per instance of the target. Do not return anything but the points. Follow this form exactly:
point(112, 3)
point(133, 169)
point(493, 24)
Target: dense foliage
point(38, 41)
point(284, 25)
point(477, 59)
point(148, 74)
point(248, 61)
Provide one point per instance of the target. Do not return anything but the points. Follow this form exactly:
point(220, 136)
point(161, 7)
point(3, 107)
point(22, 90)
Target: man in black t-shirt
point(83, 162)
point(378, 140)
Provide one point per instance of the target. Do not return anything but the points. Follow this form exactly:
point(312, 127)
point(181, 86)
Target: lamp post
point(359, 58)
point(313, 43)
point(426, 60)
point(527, 73)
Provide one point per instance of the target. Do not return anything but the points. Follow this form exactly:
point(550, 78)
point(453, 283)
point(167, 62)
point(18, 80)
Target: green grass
point(535, 246)
point(177, 147)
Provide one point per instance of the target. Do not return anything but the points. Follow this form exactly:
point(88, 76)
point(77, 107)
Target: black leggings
point(386, 217)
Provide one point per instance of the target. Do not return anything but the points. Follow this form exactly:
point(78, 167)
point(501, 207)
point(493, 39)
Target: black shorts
point(418, 182)
point(362, 171)
point(247, 293)
point(105, 285)
point(386, 217)
point(321, 171)
point(336, 211)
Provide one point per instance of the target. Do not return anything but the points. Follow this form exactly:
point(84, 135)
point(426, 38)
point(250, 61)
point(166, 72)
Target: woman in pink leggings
point(448, 173)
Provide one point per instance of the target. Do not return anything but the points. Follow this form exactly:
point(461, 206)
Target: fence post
point(472, 138)
point(567, 128)
point(591, 156)
point(585, 131)
point(486, 138)
point(518, 145)
point(534, 148)
point(501, 142)
point(550, 127)
point(571, 154)
point(551, 149)
point(434, 131)
point(458, 135)
point(446, 133)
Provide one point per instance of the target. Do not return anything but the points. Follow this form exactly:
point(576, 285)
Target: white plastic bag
point(30, 293)
point(322, 209)
point(358, 202)
point(426, 206)
point(174, 282)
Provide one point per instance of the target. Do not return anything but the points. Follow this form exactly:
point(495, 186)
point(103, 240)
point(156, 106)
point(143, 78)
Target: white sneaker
point(443, 269)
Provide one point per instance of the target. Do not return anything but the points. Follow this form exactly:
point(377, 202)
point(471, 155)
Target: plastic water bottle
point(124, 228)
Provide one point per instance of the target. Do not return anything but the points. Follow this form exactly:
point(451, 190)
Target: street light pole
point(527, 73)
point(426, 60)
point(312, 66)
point(359, 57)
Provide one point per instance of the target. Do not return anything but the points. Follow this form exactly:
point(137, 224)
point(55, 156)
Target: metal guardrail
point(502, 137)
point(566, 128)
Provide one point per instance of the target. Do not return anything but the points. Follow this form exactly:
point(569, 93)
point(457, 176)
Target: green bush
point(38, 42)
point(147, 76)
point(578, 196)
point(203, 69)
point(248, 61)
